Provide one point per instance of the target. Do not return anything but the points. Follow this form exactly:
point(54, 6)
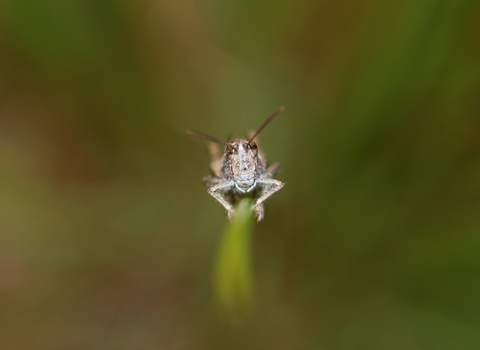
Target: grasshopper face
point(242, 158)
point(241, 171)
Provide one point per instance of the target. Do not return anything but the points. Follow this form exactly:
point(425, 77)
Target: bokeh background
point(108, 238)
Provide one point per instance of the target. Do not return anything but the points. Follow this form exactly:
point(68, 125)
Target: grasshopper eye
point(231, 149)
point(254, 148)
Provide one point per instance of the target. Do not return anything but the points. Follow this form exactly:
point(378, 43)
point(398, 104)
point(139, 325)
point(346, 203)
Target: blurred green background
point(108, 238)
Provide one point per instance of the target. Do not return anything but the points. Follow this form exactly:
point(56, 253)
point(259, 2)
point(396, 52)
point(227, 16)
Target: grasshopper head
point(243, 160)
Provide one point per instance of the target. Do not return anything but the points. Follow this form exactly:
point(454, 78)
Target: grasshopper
point(242, 171)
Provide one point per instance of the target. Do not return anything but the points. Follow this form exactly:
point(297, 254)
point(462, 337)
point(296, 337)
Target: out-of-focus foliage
point(108, 239)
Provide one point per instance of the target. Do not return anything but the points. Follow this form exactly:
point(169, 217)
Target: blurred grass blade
point(233, 276)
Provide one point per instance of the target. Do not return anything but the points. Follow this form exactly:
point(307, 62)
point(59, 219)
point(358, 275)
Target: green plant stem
point(233, 275)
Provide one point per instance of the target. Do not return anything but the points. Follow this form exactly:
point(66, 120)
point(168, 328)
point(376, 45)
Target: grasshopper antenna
point(207, 137)
point(279, 110)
